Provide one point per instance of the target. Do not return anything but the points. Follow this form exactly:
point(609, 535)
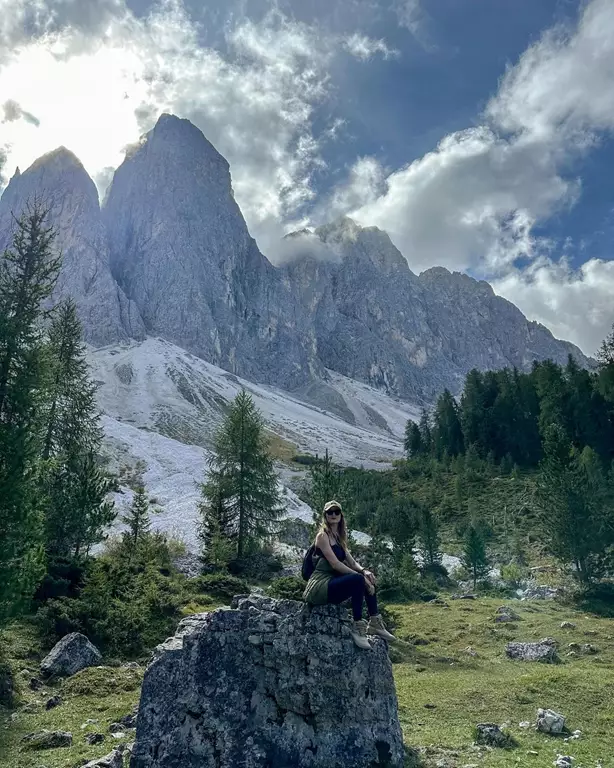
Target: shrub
point(222, 585)
point(305, 458)
point(103, 681)
point(6, 684)
point(512, 575)
point(260, 566)
point(287, 588)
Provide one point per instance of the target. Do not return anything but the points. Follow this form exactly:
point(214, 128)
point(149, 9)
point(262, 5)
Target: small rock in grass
point(47, 739)
point(532, 752)
point(430, 706)
point(525, 724)
point(590, 649)
point(438, 601)
point(114, 759)
point(129, 721)
point(574, 736)
point(568, 625)
point(490, 735)
point(54, 701)
point(564, 761)
point(463, 597)
point(88, 722)
point(470, 651)
point(116, 728)
point(549, 721)
point(94, 738)
point(35, 684)
point(506, 615)
point(131, 665)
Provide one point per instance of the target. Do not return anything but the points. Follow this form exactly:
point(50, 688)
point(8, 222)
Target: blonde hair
point(340, 536)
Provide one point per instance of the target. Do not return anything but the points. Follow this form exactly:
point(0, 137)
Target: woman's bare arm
point(353, 564)
point(323, 544)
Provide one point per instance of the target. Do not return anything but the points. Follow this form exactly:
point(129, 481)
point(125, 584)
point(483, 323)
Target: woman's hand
point(369, 586)
point(370, 576)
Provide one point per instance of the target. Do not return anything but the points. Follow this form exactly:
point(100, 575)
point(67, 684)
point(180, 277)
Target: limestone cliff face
point(59, 182)
point(181, 250)
point(170, 255)
point(376, 321)
point(273, 683)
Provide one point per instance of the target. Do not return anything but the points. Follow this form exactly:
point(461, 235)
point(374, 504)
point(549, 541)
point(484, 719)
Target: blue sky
point(478, 133)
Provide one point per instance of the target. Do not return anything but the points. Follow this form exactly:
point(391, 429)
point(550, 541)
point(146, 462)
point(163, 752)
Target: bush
point(6, 684)
point(222, 585)
point(307, 459)
point(287, 588)
point(598, 598)
point(260, 566)
point(513, 575)
point(59, 617)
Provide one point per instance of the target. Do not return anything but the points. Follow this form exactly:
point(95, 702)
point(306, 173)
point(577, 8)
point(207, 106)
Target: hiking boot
point(376, 627)
point(359, 635)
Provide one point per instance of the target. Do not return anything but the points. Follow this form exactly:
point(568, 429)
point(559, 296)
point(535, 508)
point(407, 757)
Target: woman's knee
point(356, 581)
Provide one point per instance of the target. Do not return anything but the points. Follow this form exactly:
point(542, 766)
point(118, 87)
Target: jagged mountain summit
point(170, 256)
point(62, 184)
point(376, 321)
point(181, 250)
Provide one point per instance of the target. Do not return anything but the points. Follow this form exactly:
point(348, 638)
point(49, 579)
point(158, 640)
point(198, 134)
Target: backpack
point(308, 564)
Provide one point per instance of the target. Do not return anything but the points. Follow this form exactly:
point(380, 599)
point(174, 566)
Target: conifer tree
point(325, 485)
point(242, 460)
point(217, 531)
point(137, 520)
point(426, 434)
point(77, 507)
point(448, 433)
point(429, 544)
point(28, 271)
point(575, 503)
point(474, 558)
point(413, 439)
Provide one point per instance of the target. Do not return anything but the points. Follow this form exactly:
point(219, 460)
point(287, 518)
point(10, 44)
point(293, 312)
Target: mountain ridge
point(170, 255)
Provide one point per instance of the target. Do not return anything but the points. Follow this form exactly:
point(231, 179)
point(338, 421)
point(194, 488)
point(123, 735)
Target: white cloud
point(474, 201)
point(575, 304)
point(95, 93)
point(410, 15)
point(363, 47)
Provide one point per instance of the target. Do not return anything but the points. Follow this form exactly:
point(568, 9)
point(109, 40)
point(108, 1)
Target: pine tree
point(217, 531)
point(426, 434)
point(28, 272)
point(605, 356)
point(429, 543)
point(474, 558)
point(447, 433)
point(413, 440)
point(242, 459)
point(574, 503)
point(77, 506)
point(325, 485)
point(137, 520)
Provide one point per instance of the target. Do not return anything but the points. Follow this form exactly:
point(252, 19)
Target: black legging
point(352, 585)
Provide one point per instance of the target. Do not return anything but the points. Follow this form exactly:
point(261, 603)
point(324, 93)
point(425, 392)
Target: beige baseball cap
point(331, 505)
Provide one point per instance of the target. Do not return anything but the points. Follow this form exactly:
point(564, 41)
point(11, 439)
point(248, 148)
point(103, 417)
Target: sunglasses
point(333, 511)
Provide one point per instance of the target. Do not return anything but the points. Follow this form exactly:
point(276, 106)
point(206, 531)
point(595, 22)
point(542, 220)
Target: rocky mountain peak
point(440, 277)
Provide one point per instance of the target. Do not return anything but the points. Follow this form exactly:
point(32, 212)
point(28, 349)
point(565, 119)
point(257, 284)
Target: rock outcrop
point(181, 250)
point(61, 184)
point(71, 654)
point(544, 650)
point(268, 683)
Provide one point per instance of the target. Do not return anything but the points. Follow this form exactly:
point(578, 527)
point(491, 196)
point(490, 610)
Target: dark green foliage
point(258, 564)
point(429, 544)
point(28, 272)
point(413, 440)
point(75, 486)
point(474, 558)
point(124, 606)
point(137, 521)
point(7, 686)
point(324, 486)
point(447, 431)
point(305, 458)
point(222, 585)
point(217, 530)
point(287, 588)
point(241, 462)
point(575, 499)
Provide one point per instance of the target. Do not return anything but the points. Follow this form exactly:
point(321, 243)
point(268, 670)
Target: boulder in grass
point(47, 740)
point(70, 655)
point(543, 651)
point(506, 614)
point(549, 721)
point(490, 735)
point(114, 759)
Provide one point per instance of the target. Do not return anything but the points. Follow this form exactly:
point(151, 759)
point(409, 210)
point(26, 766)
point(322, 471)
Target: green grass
point(436, 670)
point(467, 690)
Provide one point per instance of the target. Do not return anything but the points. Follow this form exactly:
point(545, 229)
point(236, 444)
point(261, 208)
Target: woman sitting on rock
point(338, 577)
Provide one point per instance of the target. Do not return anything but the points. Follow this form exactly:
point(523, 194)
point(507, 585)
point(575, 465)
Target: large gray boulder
point(114, 759)
point(543, 650)
point(71, 654)
point(270, 683)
